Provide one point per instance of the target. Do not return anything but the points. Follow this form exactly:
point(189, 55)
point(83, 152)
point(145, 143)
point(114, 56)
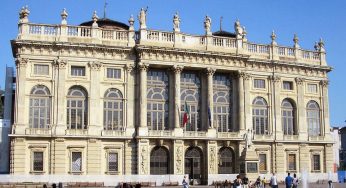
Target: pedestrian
point(264, 182)
point(258, 182)
point(288, 180)
point(245, 182)
point(238, 182)
point(295, 181)
point(185, 183)
point(273, 181)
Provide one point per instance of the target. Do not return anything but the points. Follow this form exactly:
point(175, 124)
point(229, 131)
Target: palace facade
point(103, 98)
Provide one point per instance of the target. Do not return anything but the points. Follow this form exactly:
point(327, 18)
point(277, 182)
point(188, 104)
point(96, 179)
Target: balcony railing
point(227, 134)
point(38, 131)
point(76, 132)
point(195, 134)
point(291, 137)
point(263, 137)
point(316, 138)
point(160, 133)
point(88, 34)
point(112, 133)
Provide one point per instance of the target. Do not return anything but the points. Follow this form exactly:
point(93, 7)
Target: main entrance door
point(193, 164)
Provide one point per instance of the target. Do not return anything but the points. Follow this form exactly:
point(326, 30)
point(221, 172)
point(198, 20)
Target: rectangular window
point(316, 166)
point(287, 85)
point(312, 88)
point(112, 162)
point(77, 71)
point(37, 161)
point(76, 162)
point(113, 73)
point(262, 162)
point(292, 162)
point(41, 69)
point(259, 83)
point(251, 167)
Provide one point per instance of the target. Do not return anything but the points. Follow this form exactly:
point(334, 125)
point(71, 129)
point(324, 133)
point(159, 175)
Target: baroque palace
point(105, 99)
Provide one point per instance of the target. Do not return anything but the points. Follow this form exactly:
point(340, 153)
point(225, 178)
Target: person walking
point(274, 181)
point(288, 181)
point(295, 181)
point(258, 182)
point(185, 183)
point(245, 182)
point(263, 182)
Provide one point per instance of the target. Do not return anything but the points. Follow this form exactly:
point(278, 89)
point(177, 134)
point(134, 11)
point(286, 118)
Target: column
point(20, 107)
point(241, 101)
point(210, 73)
point(129, 116)
point(60, 66)
point(95, 125)
point(143, 129)
point(276, 81)
point(177, 71)
point(325, 126)
point(247, 101)
point(301, 120)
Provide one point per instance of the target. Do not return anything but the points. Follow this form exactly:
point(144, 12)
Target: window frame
point(265, 170)
point(256, 84)
point(257, 118)
point(313, 162)
point(70, 99)
point(78, 66)
point(120, 73)
point(313, 121)
point(32, 160)
point(290, 85)
point(295, 162)
point(286, 118)
point(222, 111)
point(109, 171)
point(119, 112)
point(46, 109)
point(34, 70)
point(308, 88)
point(81, 161)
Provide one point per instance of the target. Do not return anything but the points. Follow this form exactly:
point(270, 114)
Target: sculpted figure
point(207, 24)
point(248, 138)
point(142, 17)
point(238, 29)
point(176, 22)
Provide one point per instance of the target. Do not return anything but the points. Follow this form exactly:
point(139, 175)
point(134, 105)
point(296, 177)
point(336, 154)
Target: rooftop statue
point(207, 25)
point(176, 22)
point(142, 17)
point(239, 30)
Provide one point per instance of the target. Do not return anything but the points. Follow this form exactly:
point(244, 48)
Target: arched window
point(313, 118)
point(288, 115)
point(159, 161)
point(77, 108)
point(39, 110)
point(194, 163)
point(157, 100)
point(113, 110)
point(226, 161)
point(260, 116)
point(190, 96)
point(222, 105)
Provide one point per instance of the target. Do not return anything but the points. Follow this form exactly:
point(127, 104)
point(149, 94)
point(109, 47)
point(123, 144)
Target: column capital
point(275, 78)
point(60, 63)
point(210, 71)
point(129, 67)
point(143, 66)
point(21, 62)
point(177, 69)
point(95, 65)
point(324, 83)
point(244, 75)
point(299, 80)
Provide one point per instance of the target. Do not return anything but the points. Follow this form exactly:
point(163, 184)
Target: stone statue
point(142, 17)
point(176, 22)
point(207, 24)
point(248, 138)
point(238, 29)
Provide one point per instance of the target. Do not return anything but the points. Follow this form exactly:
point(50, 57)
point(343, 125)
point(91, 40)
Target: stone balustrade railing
point(96, 35)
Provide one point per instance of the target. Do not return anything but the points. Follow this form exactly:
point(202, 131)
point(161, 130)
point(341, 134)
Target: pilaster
point(143, 157)
point(60, 66)
point(276, 82)
point(325, 126)
point(95, 124)
point(304, 158)
point(21, 66)
point(130, 100)
point(143, 129)
point(177, 103)
point(212, 157)
point(178, 157)
point(241, 94)
point(302, 129)
point(329, 158)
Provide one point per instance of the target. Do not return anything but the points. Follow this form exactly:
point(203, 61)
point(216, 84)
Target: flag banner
point(209, 116)
point(186, 115)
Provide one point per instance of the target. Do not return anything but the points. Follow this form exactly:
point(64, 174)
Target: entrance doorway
point(193, 164)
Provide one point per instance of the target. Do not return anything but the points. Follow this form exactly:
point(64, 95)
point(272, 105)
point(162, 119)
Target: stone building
point(103, 98)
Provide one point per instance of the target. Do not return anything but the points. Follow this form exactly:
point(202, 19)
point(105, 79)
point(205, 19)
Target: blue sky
point(309, 19)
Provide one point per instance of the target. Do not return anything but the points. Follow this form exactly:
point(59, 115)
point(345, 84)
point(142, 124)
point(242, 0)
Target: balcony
point(38, 131)
point(197, 134)
point(76, 132)
point(291, 137)
point(113, 133)
point(160, 133)
point(316, 138)
point(227, 135)
point(263, 137)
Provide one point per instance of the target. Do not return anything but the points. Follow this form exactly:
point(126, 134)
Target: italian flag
point(186, 115)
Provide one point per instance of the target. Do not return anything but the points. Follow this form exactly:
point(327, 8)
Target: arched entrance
point(194, 164)
point(159, 161)
point(226, 161)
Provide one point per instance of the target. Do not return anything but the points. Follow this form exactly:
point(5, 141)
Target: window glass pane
point(113, 162)
point(76, 161)
point(113, 73)
point(41, 69)
point(291, 162)
point(287, 85)
point(38, 161)
point(259, 83)
point(262, 162)
point(77, 71)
